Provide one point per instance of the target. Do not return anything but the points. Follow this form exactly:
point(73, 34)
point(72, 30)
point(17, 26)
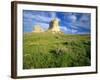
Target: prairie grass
point(47, 50)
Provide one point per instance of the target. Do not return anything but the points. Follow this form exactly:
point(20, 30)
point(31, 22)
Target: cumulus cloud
point(74, 31)
point(68, 30)
point(45, 26)
point(73, 18)
point(37, 17)
point(78, 21)
point(84, 21)
point(63, 28)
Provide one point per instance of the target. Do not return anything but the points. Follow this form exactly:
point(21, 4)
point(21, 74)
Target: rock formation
point(37, 28)
point(54, 26)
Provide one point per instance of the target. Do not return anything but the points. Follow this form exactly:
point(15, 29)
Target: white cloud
point(74, 31)
point(68, 30)
point(41, 17)
point(44, 26)
point(63, 28)
point(37, 17)
point(85, 17)
point(73, 18)
point(81, 24)
point(84, 21)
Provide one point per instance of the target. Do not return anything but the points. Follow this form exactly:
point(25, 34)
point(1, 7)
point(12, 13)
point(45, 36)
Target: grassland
point(48, 50)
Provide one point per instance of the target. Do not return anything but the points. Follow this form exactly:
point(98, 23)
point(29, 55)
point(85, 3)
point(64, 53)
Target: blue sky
point(69, 22)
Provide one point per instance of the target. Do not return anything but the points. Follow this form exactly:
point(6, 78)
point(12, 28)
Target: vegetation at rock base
point(51, 50)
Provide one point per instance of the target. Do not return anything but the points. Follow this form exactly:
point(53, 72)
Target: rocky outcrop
point(37, 28)
point(54, 26)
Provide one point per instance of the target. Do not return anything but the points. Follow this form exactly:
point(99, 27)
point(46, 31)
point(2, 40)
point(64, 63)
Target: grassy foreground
point(48, 50)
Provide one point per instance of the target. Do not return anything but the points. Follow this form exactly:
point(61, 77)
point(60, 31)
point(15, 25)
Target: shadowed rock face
point(54, 26)
point(37, 28)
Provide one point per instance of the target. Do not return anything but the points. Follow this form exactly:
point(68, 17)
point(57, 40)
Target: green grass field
point(48, 50)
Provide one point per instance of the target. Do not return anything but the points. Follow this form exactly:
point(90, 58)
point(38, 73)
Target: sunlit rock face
point(37, 28)
point(54, 26)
